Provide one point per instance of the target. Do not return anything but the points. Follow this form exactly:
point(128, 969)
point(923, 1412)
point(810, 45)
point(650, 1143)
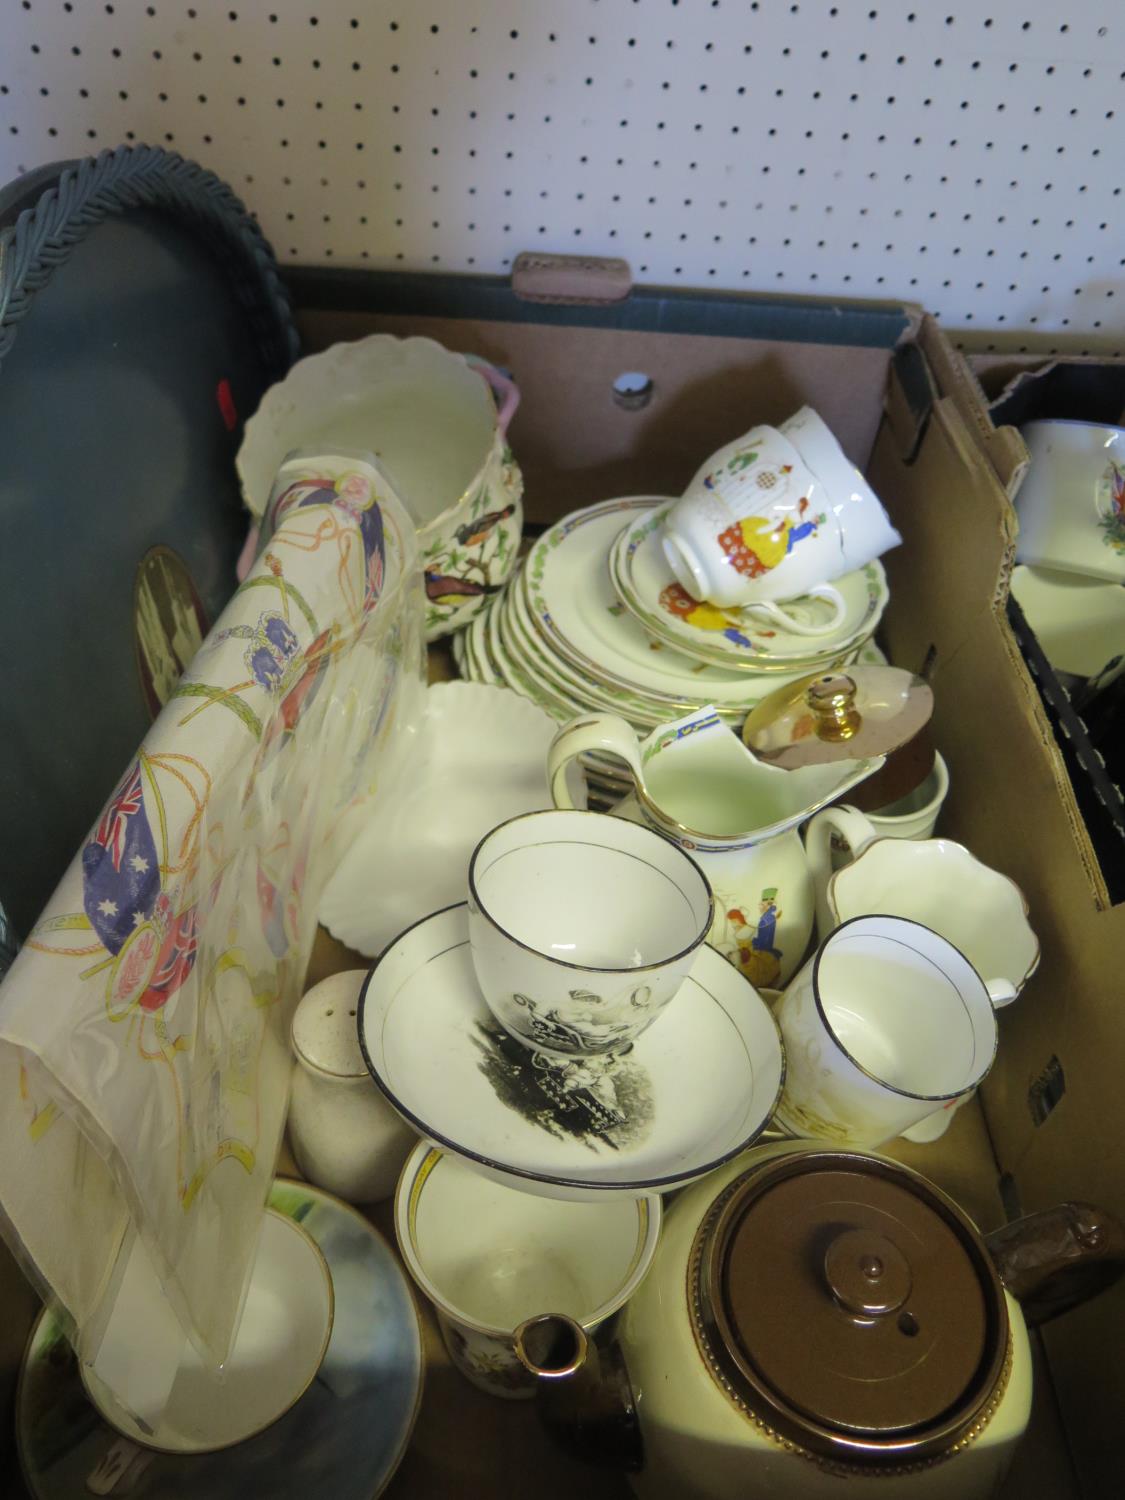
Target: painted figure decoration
point(759, 957)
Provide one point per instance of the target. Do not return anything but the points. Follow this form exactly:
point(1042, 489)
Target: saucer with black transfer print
point(687, 1096)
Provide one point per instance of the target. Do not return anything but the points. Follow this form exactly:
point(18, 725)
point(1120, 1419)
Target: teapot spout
point(583, 1398)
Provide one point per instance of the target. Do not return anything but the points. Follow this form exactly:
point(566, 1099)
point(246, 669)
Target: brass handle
point(832, 700)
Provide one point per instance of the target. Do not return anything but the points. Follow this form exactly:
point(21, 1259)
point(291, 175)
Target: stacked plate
point(594, 620)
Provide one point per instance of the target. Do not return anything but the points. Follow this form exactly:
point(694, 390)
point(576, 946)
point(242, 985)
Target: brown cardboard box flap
point(1002, 446)
point(1052, 1100)
point(576, 444)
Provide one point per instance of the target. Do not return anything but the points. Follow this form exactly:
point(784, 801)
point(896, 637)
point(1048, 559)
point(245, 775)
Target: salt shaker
point(345, 1136)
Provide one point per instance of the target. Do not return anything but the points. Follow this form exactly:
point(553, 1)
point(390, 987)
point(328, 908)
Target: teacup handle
point(591, 732)
point(857, 833)
point(780, 616)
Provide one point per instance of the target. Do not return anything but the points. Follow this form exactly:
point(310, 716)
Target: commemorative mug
point(885, 1026)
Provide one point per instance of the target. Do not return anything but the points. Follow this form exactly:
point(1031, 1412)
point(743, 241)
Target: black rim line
point(867, 1073)
point(650, 833)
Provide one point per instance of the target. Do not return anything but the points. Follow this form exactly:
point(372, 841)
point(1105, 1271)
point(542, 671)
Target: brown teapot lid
point(851, 1307)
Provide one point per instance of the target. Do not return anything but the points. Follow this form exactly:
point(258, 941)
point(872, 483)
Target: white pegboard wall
point(964, 157)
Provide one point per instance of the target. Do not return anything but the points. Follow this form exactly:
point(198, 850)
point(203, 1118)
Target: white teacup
point(1071, 505)
point(915, 815)
point(583, 927)
point(885, 1025)
point(933, 881)
point(489, 1256)
point(773, 516)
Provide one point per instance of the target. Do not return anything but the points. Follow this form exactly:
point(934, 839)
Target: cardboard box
point(1053, 1103)
point(942, 469)
point(1084, 390)
point(719, 364)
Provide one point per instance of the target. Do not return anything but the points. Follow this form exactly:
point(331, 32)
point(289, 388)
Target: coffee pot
point(813, 1316)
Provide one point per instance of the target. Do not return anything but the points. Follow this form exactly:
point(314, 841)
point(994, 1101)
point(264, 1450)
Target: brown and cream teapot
point(812, 1315)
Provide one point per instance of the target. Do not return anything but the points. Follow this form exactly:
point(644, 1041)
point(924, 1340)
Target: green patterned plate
point(572, 603)
point(529, 651)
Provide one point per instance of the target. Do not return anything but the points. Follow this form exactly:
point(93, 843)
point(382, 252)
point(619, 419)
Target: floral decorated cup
point(487, 1256)
point(583, 928)
point(1071, 505)
point(775, 515)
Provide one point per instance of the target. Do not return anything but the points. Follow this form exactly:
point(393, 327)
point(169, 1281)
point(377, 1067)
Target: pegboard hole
point(633, 390)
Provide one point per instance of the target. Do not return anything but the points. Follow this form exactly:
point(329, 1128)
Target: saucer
point(643, 710)
point(480, 757)
point(737, 639)
point(523, 677)
point(480, 666)
point(516, 641)
point(283, 1333)
point(695, 1089)
point(571, 602)
point(1079, 622)
point(345, 1437)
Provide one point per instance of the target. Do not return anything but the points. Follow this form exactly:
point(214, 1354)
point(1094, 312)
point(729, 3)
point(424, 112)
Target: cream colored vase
point(440, 431)
point(696, 783)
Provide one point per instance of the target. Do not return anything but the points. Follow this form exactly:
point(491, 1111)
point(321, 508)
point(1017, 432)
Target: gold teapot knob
point(832, 700)
point(851, 713)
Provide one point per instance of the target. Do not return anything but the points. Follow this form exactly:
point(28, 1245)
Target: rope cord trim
point(130, 177)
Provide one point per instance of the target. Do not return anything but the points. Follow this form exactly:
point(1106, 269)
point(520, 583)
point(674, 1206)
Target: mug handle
point(1001, 992)
point(591, 732)
point(857, 833)
point(506, 391)
point(781, 617)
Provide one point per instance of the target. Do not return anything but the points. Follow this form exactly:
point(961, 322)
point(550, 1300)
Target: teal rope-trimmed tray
point(85, 193)
point(142, 318)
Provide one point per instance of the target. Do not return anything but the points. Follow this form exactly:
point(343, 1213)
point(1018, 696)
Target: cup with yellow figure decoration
point(775, 516)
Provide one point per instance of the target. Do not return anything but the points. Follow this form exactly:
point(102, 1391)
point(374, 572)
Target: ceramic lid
point(849, 714)
point(851, 1307)
point(325, 1032)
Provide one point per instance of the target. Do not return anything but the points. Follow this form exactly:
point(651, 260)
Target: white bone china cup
point(887, 1024)
point(1071, 505)
point(582, 928)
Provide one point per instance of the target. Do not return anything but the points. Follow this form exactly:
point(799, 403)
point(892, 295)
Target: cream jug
point(696, 783)
point(820, 1324)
